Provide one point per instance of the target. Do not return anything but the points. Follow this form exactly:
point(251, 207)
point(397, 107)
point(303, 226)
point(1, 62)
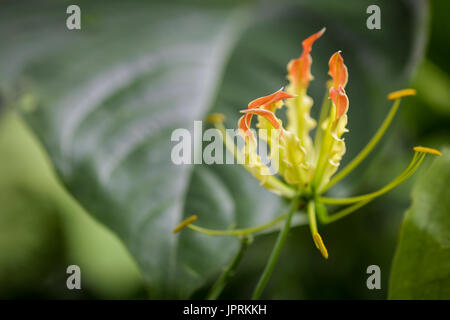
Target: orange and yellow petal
point(268, 115)
point(267, 102)
point(338, 70)
point(299, 70)
point(244, 126)
point(340, 100)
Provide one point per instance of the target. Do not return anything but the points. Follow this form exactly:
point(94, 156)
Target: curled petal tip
point(427, 150)
point(338, 70)
point(299, 70)
point(269, 115)
point(215, 118)
point(307, 43)
point(270, 100)
point(185, 223)
point(401, 93)
point(244, 123)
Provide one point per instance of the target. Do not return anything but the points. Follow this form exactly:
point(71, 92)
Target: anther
point(319, 244)
point(427, 150)
point(215, 118)
point(185, 223)
point(401, 93)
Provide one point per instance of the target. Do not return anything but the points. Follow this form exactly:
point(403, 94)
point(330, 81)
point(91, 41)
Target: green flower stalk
point(306, 168)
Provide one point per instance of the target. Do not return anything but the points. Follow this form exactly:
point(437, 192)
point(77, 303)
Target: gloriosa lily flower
point(307, 167)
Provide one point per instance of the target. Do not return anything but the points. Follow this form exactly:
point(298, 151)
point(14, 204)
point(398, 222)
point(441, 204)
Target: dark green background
point(43, 229)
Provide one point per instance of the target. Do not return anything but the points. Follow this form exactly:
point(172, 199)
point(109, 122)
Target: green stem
point(220, 284)
point(350, 209)
point(312, 217)
point(367, 149)
point(394, 183)
point(237, 232)
point(344, 212)
point(275, 252)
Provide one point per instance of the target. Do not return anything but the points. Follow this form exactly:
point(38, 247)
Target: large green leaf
point(104, 101)
point(42, 230)
point(421, 268)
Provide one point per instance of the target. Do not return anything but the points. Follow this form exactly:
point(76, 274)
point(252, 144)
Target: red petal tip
point(299, 70)
point(268, 101)
point(338, 70)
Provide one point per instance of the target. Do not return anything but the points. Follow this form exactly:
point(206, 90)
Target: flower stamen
point(214, 118)
point(401, 93)
point(368, 148)
point(427, 150)
point(418, 157)
point(320, 245)
point(185, 223)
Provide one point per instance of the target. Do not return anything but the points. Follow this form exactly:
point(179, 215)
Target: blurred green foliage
point(421, 268)
point(42, 229)
point(30, 233)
